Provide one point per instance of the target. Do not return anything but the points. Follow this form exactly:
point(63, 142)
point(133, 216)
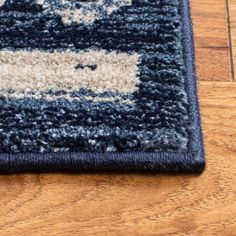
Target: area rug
point(98, 85)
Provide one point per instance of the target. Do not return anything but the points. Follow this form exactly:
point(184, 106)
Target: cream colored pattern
point(77, 15)
point(26, 72)
point(2, 2)
point(52, 97)
point(86, 13)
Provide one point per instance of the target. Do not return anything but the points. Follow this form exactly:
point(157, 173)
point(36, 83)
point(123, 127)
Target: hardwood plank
point(232, 19)
point(211, 40)
point(135, 204)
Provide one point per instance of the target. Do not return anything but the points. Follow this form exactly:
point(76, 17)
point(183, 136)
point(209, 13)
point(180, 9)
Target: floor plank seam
point(230, 42)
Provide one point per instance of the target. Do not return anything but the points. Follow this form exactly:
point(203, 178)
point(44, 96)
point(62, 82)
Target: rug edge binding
point(191, 162)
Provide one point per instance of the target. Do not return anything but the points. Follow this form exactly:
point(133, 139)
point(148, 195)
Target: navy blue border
point(192, 161)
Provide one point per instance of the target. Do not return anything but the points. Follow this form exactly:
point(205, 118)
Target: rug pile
point(98, 85)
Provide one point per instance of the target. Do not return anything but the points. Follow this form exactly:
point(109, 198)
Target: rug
point(98, 85)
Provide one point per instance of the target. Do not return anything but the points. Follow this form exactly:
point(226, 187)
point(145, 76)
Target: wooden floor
point(135, 204)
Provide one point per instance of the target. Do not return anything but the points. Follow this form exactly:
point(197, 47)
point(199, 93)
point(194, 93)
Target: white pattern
point(2, 2)
point(88, 11)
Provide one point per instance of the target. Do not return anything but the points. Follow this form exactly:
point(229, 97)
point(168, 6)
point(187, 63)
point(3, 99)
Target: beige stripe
point(40, 71)
point(50, 97)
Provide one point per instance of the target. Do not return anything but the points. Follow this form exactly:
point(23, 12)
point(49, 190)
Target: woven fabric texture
point(98, 85)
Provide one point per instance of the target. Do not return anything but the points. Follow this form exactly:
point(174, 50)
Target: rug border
point(189, 162)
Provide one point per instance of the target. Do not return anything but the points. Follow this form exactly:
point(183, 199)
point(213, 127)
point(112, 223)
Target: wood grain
point(135, 204)
point(232, 22)
point(211, 39)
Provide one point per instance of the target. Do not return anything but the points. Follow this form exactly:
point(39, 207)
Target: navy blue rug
point(98, 85)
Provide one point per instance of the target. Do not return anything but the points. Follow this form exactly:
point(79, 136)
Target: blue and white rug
point(98, 85)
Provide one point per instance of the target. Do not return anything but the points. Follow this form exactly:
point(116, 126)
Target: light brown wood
point(136, 204)
point(211, 39)
point(232, 22)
